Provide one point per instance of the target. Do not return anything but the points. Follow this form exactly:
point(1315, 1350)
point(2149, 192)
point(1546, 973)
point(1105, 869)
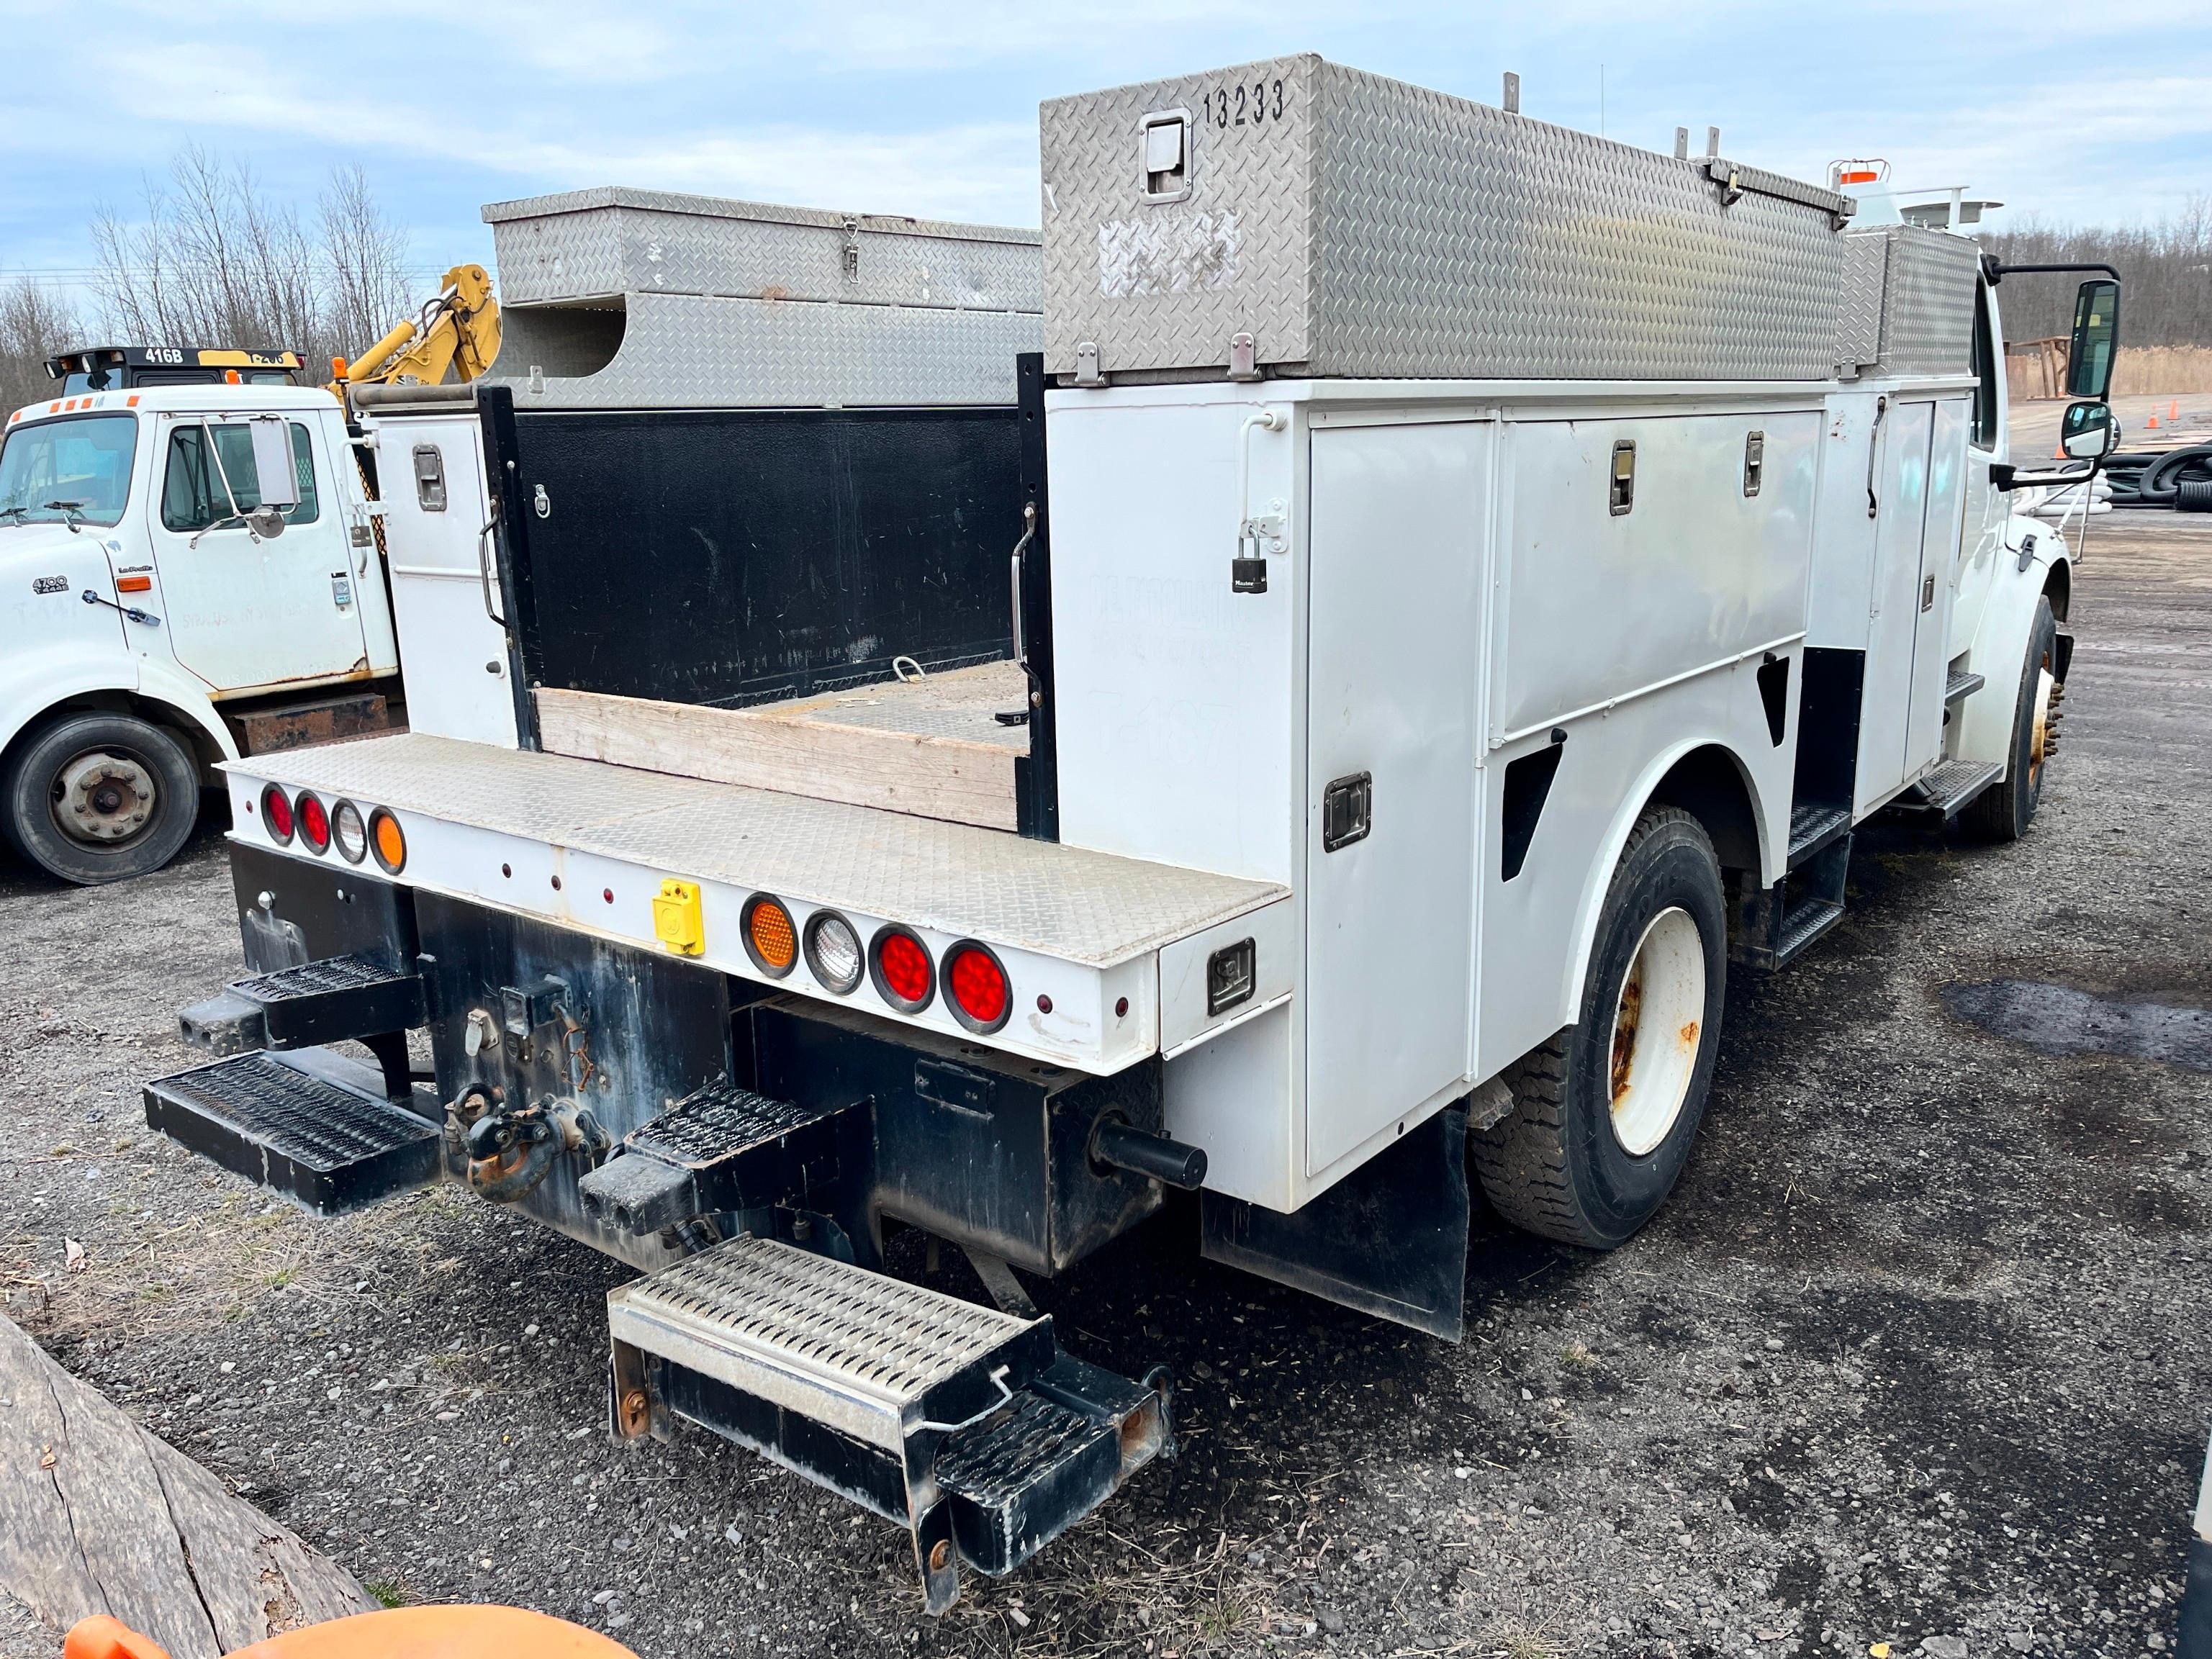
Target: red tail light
point(277, 813)
point(977, 985)
point(902, 971)
point(314, 823)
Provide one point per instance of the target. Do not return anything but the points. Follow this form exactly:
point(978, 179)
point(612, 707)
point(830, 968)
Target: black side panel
point(1390, 1239)
point(1037, 774)
point(732, 556)
point(316, 911)
point(1828, 725)
point(510, 534)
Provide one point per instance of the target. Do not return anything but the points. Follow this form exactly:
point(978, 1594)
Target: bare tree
point(214, 260)
point(35, 323)
point(365, 264)
point(2166, 276)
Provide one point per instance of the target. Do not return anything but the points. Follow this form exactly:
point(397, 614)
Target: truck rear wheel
point(2004, 810)
point(1605, 1113)
point(100, 798)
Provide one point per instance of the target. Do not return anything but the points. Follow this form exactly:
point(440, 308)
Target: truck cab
point(189, 574)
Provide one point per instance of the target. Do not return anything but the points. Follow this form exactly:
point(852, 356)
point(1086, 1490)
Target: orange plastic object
point(104, 1638)
point(466, 1633)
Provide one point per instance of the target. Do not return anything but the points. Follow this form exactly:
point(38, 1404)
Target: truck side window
point(1986, 370)
point(192, 496)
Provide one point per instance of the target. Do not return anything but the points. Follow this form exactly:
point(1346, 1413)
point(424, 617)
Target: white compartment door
point(1939, 561)
point(452, 655)
point(1901, 471)
point(1398, 528)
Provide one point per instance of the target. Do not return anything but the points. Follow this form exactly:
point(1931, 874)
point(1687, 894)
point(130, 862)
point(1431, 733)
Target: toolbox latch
point(1348, 810)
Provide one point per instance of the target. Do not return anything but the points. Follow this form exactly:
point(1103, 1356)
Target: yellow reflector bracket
point(676, 922)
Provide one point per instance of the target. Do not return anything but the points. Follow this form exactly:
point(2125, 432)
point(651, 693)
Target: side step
point(964, 1424)
point(333, 1001)
point(1777, 924)
point(313, 1125)
point(1951, 786)
point(719, 1148)
point(1960, 686)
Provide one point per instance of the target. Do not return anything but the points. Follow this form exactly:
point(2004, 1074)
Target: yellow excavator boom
point(459, 331)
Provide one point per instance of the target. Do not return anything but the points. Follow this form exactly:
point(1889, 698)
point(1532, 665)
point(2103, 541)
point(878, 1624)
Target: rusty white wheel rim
point(1658, 1026)
point(2039, 743)
point(101, 800)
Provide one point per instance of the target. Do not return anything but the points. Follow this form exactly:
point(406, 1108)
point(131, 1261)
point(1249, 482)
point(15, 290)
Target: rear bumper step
point(333, 1001)
point(720, 1147)
point(965, 1425)
point(312, 1125)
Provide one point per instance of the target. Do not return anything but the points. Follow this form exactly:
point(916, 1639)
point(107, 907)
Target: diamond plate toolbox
point(1921, 283)
point(1359, 226)
point(598, 244)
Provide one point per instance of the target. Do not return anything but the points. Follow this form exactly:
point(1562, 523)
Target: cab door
point(244, 611)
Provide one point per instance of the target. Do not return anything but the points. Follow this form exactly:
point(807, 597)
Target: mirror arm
point(1996, 270)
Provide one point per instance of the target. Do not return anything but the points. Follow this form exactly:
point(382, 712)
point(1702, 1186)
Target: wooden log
point(798, 749)
point(99, 1516)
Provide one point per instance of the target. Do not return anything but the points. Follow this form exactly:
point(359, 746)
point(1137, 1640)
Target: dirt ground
point(1921, 1352)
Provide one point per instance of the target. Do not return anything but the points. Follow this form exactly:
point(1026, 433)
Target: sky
point(2082, 113)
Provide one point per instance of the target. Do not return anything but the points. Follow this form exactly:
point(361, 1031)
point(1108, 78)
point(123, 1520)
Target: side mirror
point(266, 522)
point(272, 461)
point(2088, 433)
point(2096, 338)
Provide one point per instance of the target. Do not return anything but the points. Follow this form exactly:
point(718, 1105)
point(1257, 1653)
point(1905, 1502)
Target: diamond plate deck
point(836, 1343)
point(1083, 907)
point(1358, 226)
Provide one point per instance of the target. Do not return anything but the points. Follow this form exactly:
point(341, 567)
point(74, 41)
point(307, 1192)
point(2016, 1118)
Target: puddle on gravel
point(2052, 1019)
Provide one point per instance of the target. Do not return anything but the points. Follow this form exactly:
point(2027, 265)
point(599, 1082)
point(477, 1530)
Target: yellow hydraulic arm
point(457, 330)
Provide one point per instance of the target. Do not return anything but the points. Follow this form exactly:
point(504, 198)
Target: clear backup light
point(833, 951)
point(315, 822)
point(349, 832)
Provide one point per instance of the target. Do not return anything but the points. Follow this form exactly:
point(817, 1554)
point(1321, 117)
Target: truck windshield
point(76, 469)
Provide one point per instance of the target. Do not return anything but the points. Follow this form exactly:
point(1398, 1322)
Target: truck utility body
point(1446, 591)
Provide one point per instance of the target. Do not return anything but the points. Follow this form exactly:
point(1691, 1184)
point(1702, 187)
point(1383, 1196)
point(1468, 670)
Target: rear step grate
point(315, 979)
point(769, 1305)
point(722, 1120)
point(304, 1127)
point(964, 1424)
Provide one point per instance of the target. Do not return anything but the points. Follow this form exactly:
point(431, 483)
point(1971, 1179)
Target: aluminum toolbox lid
point(1358, 226)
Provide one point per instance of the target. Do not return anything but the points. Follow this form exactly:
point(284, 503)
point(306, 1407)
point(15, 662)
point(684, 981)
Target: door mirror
point(266, 522)
point(2088, 433)
point(2096, 338)
point(272, 459)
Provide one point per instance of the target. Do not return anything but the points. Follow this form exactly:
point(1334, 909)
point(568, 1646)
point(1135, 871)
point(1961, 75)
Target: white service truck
point(1443, 596)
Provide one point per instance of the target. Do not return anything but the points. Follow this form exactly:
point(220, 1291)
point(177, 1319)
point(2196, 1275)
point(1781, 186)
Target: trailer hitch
point(510, 1152)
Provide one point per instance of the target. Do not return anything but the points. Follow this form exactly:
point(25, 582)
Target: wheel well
point(1709, 785)
point(153, 711)
point(2058, 588)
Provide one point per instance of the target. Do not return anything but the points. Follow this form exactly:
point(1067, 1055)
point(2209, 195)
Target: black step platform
point(312, 1125)
point(1813, 826)
point(1777, 924)
point(720, 1147)
point(334, 1001)
point(1951, 786)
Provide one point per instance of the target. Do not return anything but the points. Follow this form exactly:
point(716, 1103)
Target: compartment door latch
point(1348, 810)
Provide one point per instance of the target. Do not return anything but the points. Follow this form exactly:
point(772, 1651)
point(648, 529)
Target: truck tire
point(1605, 1113)
point(99, 798)
point(2004, 810)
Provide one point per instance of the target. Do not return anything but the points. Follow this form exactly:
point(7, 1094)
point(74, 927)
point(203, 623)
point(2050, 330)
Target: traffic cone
point(2172, 410)
point(2151, 425)
point(2058, 454)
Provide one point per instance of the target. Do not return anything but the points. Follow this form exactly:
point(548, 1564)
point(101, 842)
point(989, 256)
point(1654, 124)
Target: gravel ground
point(1917, 1354)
